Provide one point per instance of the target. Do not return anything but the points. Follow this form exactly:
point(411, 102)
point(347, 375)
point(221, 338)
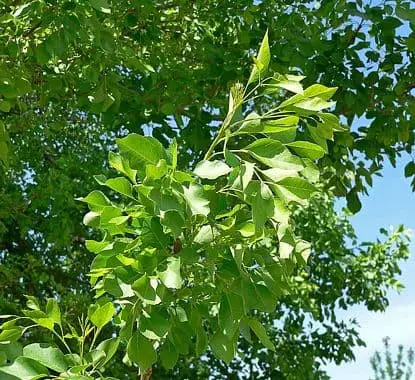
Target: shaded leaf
point(141, 351)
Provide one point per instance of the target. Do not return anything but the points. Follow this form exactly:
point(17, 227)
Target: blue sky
point(390, 203)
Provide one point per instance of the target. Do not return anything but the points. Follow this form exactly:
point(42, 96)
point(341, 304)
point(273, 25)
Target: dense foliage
point(305, 328)
point(187, 260)
point(76, 75)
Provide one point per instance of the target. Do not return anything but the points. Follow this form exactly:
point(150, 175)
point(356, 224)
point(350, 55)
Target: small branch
point(147, 374)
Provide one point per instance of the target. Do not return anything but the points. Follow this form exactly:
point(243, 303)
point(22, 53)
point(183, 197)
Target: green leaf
point(32, 303)
point(141, 351)
point(313, 104)
point(156, 171)
point(410, 169)
point(307, 149)
point(165, 200)
point(283, 129)
point(260, 332)
point(241, 176)
point(286, 242)
point(172, 153)
point(201, 341)
point(251, 123)
point(145, 290)
point(101, 5)
point(53, 311)
point(196, 199)
point(206, 235)
point(273, 154)
point(96, 200)
point(122, 165)
point(168, 355)
point(262, 61)
point(295, 189)
point(277, 174)
point(47, 323)
point(286, 82)
point(320, 91)
point(119, 220)
point(103, 315)
point(153, 234)
point(287, 121)
point(22, 85)
point(4, 153)
point(4, 106)
point(261, 199)
point(141, 150)
point(171, 277)
point(11, 335)
point(46, 355)
point(156, 326)
point(120, 185)
point(98, 246)
point(231, 158)
point(109, 347)
point(25, 368)
point(266, 301)
point(227, 321)
point(211, 169)
point(353, 201)
point(223, 347)
point(174, 221)
point(189, 255)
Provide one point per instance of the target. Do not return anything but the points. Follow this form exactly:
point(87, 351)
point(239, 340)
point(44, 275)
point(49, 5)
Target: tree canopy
point(75, 76)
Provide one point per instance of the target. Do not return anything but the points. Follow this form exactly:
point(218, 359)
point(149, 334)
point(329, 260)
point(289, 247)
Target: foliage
point(168, 68)
point(189, 257)
point(385, 367)
point(306, 328)
point(43, 360)
point(75, 75)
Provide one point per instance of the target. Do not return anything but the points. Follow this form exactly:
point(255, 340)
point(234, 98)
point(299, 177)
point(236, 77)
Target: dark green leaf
point(141, 351)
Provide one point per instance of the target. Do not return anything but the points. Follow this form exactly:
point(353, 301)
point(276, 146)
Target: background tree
point(385, 365)
point(75, 75)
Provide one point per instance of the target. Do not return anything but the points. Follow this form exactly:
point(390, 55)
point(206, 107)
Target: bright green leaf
point(196, 199)
point(145, 290)
point(46, 355)
point(262, 61)
point(102, 315)
point(141, 150)
point(307, 149)
point(120, 185)
point(171, 277)
point(274, 154)
point(25, 368)
point(211, 169)
point(295, 189)
point(53, 311)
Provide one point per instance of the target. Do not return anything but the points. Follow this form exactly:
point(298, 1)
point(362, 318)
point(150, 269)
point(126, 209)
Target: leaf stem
point(62, 340)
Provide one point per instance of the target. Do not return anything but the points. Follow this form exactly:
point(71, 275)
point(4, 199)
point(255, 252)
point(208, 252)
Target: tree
point(190, 262)
point(91, 71)
point(385, 367)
